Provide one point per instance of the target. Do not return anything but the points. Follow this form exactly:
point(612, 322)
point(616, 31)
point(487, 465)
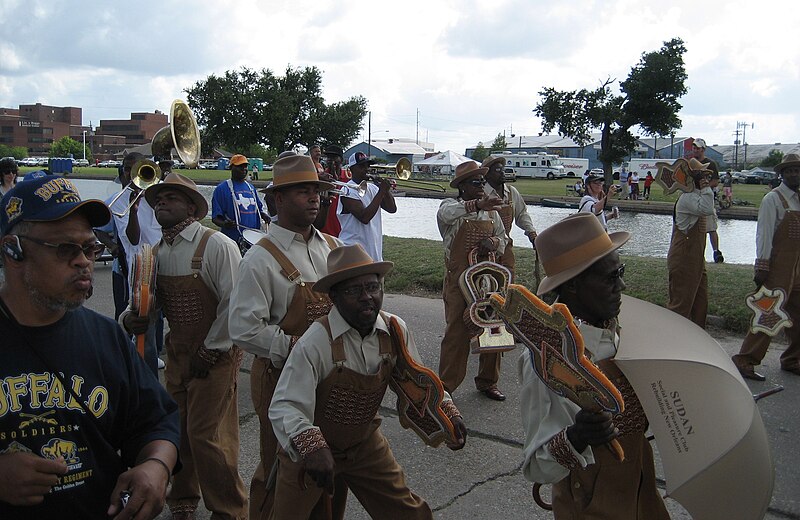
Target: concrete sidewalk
point(484, 481)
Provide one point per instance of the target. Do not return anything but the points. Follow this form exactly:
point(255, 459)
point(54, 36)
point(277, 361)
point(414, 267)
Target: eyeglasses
point(619, 273)
point(477, 182)
point(69, 251)
point(372, 289)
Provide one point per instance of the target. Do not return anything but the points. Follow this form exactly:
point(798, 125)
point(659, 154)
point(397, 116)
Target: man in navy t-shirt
point(235, 204)
point(86, 430)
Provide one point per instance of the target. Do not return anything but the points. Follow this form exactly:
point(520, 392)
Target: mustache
point(82, 274)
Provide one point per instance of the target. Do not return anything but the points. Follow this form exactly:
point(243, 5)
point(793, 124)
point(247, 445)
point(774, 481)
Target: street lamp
point(84, 145)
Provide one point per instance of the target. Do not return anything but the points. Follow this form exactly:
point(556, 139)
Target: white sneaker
point(161, 364)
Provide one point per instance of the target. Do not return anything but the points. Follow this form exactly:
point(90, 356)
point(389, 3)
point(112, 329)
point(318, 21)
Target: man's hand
point(384, 184)
point(760, 277)
point(135, 324)
point(490, 203)
point(26, 478)
point(319, 465)
point(591, 429)
point(147, 485)
point(461, 433)
point(532, 237)
point(486, 246)
point(202, 361)
point(229, 223)
point(134, 200)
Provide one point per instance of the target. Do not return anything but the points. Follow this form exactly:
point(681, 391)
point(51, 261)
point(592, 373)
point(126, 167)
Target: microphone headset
point(13, 250)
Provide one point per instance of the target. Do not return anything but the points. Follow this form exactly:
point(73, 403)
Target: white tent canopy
point(442, 163)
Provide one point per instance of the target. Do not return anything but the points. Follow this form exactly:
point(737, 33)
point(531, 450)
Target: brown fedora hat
point(569, 247)
point(791, 159)
point(466, 171)
point(347, 262)
point(292, 170)
point(489, 161)
point(181, 183)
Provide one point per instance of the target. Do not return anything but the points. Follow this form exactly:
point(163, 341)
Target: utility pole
point(369, 134)
point(417, 127)
point(743, 125)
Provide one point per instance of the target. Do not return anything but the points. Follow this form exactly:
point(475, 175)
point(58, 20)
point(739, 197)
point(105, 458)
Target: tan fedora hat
point(181, 183)
point(466, 171)
point(347, 262)
point(295, 169)
point(569, 247)
point(489, 161)
point(791, 159)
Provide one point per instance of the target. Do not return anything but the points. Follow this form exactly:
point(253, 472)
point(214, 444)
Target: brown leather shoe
point(795, 369)
point(748, 372)
point(494, 393)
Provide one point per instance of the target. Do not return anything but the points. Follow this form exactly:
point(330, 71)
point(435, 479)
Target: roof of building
point(755, 152)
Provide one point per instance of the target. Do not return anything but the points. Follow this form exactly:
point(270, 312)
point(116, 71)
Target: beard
point(51, 303)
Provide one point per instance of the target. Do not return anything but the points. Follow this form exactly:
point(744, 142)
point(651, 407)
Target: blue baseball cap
point(47, 198)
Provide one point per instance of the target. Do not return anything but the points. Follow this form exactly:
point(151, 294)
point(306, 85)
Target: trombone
point(144, 173)
point(402, 172)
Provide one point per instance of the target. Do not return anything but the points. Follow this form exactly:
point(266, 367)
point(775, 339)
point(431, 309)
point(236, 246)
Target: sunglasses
point(616, 275)
point(477, 182)
point(372, 289)
point(69, 251)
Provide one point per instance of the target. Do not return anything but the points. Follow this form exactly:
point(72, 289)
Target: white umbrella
point(709, 432)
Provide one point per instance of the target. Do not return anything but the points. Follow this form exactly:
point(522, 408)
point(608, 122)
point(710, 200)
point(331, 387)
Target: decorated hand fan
point(419, 395)
point(768, 314)
point(558, 352)
point(143, 283)
point(679, 175)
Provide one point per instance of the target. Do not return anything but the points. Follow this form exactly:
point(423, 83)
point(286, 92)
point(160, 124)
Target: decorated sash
point(419, 395)
point(557, 352)
point(477, 282)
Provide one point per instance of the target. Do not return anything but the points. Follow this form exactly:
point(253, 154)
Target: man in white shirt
point(273, 303)
point(324, 411)
point(564, 445)
point(688, 283)
point(699, 153)
point(360, 215)
point(777, 267)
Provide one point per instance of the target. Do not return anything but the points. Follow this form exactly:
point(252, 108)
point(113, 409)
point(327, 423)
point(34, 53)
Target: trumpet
point(361, 189)
point(402, 177)
point(144, 173)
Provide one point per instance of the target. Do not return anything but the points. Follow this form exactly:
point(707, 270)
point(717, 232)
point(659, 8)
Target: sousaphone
point(182, 134)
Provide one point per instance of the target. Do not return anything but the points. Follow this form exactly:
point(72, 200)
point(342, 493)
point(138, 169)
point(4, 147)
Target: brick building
point(36, 127)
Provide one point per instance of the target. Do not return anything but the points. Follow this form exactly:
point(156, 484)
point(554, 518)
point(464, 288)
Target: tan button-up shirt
point(693, 205)
point(770, 214)
point(521, 217)
point(452, 213)
point(261, 298)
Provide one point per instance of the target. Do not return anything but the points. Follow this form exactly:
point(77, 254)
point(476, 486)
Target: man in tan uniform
point(196, 273)
point(469, 222)
point(777, 267)
point(273, 304)
point(324, 411)
point(688, 283)
point(514, 210)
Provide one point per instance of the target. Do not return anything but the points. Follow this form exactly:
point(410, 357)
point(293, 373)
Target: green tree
point(499, 144)
point(480, 153)
point(17, 152)
point(65, 146)
point(648, 99)
point(773, 158)
point(247, 107)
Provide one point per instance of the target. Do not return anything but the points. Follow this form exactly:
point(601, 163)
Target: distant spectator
point(578, 188)
point(633, 183)
point(255, 171)
point(8, 174)
point(595, 199)
point(727, 187)
point(623, 181)
point(648, 181)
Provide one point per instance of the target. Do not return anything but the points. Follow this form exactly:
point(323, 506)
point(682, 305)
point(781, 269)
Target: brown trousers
point(209, 415)
point(612, 490)
point(370, 471)
point(688, 282)
point(786, 275)
point(263, 379)
point(455, 351)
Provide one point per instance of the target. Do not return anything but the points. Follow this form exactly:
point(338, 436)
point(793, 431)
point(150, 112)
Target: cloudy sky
point(472, 68)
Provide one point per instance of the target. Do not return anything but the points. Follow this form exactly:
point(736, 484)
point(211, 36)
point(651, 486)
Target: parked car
point(80, 163)
point(107, 164)
point(29, 161)
point(759, 177)
point(509, 175)
point(737, 177)
point(42, 161)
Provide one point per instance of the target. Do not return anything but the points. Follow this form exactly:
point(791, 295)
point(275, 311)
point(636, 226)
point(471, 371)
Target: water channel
point(416, 218)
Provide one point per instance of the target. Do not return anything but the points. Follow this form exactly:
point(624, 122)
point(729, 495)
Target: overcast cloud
point(472, 68)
